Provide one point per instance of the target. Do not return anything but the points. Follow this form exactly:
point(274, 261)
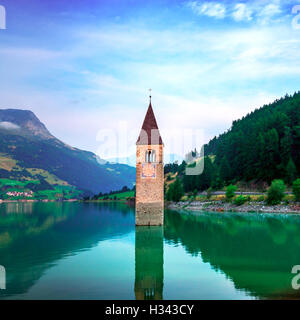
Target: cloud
point(261, 11)
point(269, 13)
point(201, 77)
point(242, 12)
point(8, 126)
point(210, 9)
point(30, 53)
point(271, 10)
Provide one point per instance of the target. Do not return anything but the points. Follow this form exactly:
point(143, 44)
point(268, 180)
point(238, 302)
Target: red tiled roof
point(150, 132)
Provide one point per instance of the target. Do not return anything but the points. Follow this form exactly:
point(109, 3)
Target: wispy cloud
point(241, 12)
point(261, 11)
point(210, 9)
point(269, 12)
point(9, 125)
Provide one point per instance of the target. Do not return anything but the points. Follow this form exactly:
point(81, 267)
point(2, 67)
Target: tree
point(175, 191)
point(169, 194)
point(181, 168)
point(125, 189)
point(291, 171)
point(285, 146)
point(240, 200)
point(217, 182)
point(261, 157)
point(225, 171)
point(296, 189)
point(271, 154)
point(296, 141)
point(204, 180)
point(276, 192)
point(189, 182)
point(195, 192)
point(230, 192)
point(208, 194)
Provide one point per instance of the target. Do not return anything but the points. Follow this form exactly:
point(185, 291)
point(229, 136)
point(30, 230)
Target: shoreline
point(219, 206)
point(34, 200)
point(208, 206)
point(72, 200)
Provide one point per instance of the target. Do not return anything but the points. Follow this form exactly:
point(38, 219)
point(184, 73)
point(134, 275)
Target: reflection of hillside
point(256, 252)
point(19, 222)
point(149, 262)
point(51, 232)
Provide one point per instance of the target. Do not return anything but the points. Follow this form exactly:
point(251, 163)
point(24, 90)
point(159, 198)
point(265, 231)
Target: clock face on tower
point(148, 170)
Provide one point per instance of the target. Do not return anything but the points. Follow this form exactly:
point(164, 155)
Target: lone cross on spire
point(150, 90)
point(150, 133)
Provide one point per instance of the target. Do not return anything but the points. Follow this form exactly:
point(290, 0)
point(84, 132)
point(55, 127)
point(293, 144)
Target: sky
point(85, 67)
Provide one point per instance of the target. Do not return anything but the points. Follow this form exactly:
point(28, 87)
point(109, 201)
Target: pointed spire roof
point(150, 132)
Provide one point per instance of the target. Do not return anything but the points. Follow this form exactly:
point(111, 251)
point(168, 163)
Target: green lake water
point(94, 251)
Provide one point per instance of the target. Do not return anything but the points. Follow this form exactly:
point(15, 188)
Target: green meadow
point(50, 192)
point(118, 196)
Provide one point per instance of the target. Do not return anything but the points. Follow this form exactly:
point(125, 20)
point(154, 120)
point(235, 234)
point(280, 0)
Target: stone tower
point(149, 174)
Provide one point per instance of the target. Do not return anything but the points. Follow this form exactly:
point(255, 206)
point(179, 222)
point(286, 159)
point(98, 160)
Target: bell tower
point(149, 174)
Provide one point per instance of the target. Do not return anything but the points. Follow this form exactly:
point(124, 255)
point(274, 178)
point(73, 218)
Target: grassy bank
point(117, 196)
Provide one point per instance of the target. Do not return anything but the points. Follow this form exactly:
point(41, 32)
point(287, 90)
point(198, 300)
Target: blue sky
point(84, 66)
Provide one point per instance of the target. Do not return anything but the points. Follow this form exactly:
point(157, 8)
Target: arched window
point(150, 156)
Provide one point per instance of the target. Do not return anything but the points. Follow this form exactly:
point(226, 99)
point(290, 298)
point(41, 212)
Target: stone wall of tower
point(149, 191)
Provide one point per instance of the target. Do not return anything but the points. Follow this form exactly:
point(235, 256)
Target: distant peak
point(26, 120)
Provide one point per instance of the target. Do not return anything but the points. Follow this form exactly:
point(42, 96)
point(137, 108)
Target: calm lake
point(94, 251)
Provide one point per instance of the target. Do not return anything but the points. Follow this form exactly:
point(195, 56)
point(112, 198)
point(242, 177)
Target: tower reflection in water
point(149, 263)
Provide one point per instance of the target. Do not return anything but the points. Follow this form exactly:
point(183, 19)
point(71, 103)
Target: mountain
point(28, 150)
point(262, 146)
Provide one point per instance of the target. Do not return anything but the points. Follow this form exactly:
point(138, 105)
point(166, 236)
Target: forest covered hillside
point(262, 146)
